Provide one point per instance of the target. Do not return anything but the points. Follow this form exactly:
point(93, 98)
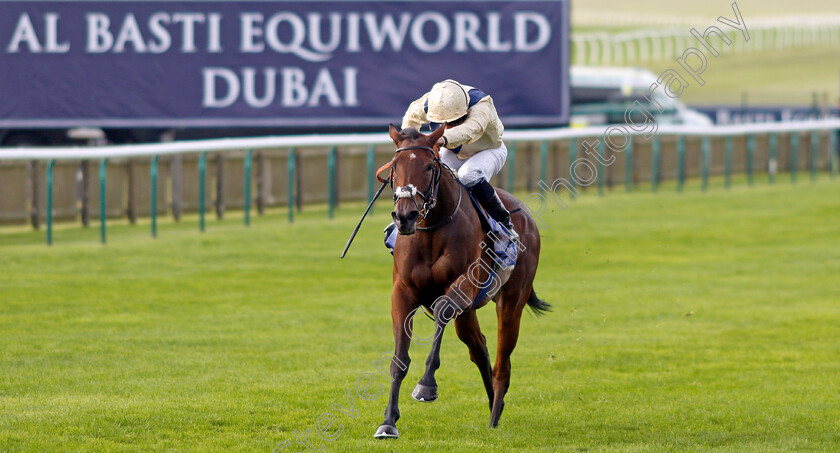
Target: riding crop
point(370, 205)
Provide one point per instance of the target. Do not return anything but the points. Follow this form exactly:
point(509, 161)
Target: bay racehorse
point(443, 261)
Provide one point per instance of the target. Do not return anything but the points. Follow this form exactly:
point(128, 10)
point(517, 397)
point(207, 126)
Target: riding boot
point(489, 199)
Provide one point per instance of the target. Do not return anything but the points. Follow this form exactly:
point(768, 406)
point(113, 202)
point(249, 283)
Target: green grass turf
point(789, 77)
point(786, 77)
point(681, 322)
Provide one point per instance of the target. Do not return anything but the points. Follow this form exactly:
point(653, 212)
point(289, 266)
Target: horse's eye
point(430, 168)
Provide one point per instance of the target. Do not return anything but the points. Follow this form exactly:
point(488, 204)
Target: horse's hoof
point(387, 432)
point(424, 394)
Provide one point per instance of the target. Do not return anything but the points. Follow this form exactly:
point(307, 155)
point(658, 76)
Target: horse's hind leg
point(445, 309)
point(509, 313)
point(469, 332)
point(427, 389)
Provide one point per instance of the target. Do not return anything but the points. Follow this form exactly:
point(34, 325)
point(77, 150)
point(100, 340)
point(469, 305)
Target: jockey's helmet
point(448, 101)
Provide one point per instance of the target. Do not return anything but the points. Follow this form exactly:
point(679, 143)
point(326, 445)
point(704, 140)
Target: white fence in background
point(343, 140)
point(536, 153)
point(656, 45)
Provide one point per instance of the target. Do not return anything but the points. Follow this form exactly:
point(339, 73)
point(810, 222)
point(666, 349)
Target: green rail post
point(601, 170)
point(102, 174)
point(49, 200)
point(628, 166)
point(794, 156)
point(706, 149)
point(248, 160)
point(543, 159)
point(815, 146)
point(680, 163)
point(772, 161)
point(728, 165)
point(371, 163)
point(750, 157)
point(654, 170)
point(832, 153)
point(331, 184)
point(154, 174)
point(291, 165)
point(202, 171)
point(573, 145)
point(511, 166)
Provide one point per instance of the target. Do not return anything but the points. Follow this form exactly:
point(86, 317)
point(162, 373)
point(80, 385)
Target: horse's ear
point(437, 134)
point(394, 132)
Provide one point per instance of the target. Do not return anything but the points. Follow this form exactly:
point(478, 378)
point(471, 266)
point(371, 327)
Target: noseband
point(430, 195)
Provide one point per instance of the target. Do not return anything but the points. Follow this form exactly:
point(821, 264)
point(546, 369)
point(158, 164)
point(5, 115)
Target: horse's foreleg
point(508, 316)
point(469, 332)
point(400, 311)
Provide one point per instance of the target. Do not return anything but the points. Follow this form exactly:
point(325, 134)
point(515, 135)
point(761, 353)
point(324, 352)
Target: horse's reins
point(430, 195)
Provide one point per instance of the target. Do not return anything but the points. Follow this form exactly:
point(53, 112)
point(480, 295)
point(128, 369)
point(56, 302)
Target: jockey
point(472, 143)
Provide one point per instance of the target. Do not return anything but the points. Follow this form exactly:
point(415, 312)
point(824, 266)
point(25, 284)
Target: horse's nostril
point(401, 218)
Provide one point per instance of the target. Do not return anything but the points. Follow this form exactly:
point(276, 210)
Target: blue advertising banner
point(274, 63)
point(765, 114)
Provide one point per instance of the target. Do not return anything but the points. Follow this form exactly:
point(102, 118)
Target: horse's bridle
point(429, 197)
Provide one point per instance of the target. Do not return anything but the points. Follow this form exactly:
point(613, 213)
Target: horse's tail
point(538, 306)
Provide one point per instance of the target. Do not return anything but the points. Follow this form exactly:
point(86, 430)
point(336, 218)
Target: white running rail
point(200, 146)
point(602, 48)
